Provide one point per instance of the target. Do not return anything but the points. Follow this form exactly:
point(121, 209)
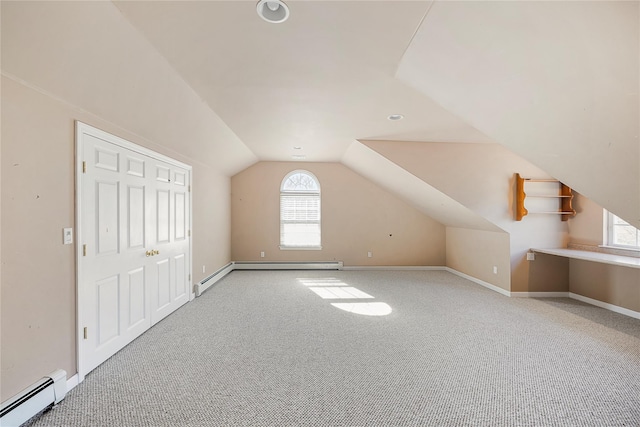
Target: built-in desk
point(624, 261)
point(619, 293)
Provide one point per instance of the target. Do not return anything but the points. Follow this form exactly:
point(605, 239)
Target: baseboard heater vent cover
point(207, 282)
point(47, 392)
point(251, 265)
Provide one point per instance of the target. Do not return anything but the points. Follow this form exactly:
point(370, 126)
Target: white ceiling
point(555, 82)
point(319, 81)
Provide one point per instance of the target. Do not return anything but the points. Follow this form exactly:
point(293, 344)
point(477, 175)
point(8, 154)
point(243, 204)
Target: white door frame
point(82, 129)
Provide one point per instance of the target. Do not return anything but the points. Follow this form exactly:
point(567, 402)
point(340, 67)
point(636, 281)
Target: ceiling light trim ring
point(273, 11)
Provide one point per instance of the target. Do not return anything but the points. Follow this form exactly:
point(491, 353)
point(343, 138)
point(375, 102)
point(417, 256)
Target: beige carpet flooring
point(271, 349)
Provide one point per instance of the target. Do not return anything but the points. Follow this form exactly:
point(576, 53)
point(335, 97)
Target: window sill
point(300, 248)
point(629, 251)
point(605, 249)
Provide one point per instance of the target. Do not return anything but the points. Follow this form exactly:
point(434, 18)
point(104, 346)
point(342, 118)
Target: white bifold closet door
point(135, 263)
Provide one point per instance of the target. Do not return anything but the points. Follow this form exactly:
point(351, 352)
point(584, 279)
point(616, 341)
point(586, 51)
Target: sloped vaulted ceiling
point(556, 82)
point(88, 55)
point(320, 80)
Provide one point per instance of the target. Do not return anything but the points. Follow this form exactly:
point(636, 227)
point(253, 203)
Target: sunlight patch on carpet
point(336, 289)
point(364, 308)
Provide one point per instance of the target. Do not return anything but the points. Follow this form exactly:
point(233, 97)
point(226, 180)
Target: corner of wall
point(482, 254)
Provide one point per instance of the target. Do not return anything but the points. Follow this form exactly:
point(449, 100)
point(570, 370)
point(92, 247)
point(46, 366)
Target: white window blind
point(300, 225)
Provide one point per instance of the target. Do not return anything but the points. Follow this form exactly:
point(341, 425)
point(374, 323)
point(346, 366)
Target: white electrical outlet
point(204, 268)
point(67, 236)
point(495, 269)
point(531, 256)
point(262, 254)
point(369, 254)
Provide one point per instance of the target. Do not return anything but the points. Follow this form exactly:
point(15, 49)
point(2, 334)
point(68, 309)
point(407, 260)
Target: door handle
point(149, 253)
point(156, 252)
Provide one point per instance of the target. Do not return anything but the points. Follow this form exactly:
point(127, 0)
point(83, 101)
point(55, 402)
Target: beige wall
point(211, 220)
point(38, 271)
point(548, 273)
point(357, 217)
point(476, 252)
point(608, 283)
point(66, 61)
point(586, 228)
point(482, 178)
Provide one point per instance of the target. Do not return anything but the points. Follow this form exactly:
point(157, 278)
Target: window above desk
point(620, 234)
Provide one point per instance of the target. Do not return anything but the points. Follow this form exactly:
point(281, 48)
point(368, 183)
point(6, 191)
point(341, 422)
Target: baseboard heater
point(255, 265)
point(206, 283)
point(29, 402)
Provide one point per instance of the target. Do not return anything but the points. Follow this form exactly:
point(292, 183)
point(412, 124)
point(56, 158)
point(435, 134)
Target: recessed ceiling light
point(297, 148)
point(273, 11)
point(395, 117)
point(298, 157)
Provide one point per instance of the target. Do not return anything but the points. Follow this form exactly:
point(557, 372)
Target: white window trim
point(301, 193)
point(301, 248)
point(608, 235)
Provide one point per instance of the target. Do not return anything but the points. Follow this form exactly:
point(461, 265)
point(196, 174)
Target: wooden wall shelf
point(563, 194)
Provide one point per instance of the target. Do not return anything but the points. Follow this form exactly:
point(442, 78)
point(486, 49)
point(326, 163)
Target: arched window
point(300, 211)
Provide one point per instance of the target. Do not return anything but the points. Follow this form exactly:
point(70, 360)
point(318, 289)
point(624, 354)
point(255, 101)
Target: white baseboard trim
point(206, 283)
point(72, 382)
point(243, 265)
point(540, 294)
point(605, 305)
point(597, 303)
point(392, 267)
point(257, 265)
point(479, 282)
